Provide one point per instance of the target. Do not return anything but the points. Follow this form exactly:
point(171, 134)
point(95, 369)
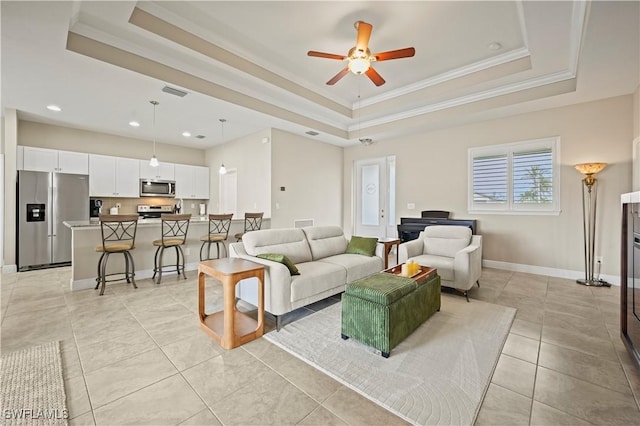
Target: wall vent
point(200, 136)
point(312, 133)
point(174, 91)
point(302, 223)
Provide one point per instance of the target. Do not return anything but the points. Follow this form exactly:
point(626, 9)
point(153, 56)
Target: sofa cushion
point(315, 278)
point(357, 266)
point(445, 240)
point(281, 258)
point(325, 241)
point(443, 264)
point(362, 245)
point(289, 242)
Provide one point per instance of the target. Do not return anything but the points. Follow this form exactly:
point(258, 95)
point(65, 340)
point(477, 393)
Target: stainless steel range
point(153, 212)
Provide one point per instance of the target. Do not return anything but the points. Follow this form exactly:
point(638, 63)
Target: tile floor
point(139, 357)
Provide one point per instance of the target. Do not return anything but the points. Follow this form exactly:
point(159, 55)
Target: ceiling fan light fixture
point(359, 65)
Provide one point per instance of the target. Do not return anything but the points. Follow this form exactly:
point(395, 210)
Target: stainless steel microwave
point(157, 188)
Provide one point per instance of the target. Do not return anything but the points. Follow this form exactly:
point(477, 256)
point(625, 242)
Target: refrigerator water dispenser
point(35, 212)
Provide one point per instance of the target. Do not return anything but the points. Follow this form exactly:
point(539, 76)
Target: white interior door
point(229, 192)
point(375, 197)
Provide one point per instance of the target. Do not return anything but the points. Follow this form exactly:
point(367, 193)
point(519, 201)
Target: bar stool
point(252, 222)
point(174, 234)
point(118, 236)
point(219, 225)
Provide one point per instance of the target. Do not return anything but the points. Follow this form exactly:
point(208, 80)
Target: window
point(515, 178)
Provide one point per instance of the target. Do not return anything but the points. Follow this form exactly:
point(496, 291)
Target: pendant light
point(154, 160)
point(222, 169)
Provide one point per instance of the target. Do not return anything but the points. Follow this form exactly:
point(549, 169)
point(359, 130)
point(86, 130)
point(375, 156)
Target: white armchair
point(452, 250)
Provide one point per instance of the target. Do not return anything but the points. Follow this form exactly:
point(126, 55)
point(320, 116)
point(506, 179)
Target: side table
point(388, 244)
point(230, 327)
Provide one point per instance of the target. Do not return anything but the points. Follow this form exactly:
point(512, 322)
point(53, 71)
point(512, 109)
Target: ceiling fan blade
point(395, 54)
point(326, 55)
point(364, 33)
point(375, 77)
point(338, 76)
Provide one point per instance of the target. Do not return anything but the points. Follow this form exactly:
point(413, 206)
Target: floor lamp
point(589, 203)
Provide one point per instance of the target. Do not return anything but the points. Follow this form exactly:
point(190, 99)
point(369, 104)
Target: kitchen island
point(86, 236)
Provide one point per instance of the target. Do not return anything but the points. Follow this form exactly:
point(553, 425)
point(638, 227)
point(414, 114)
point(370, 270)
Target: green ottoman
point(382, 309)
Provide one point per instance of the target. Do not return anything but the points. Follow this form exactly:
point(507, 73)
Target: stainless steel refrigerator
point(45, 200)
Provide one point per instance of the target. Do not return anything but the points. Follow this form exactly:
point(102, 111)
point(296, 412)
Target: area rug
point(32, 387)
point(436, 376)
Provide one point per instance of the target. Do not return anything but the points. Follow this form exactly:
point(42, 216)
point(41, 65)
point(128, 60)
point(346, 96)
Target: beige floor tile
point(37, 303)
point(188, 352)
point(322, 417)
point(521, 347)
point(155, 315)
point(484, 293)
point(577, 325)
point(232, 370)
point(528, 329)
point(543, 415)
point(105, 352)
point(94, 333)
point(84, 420)
point(204, 417)
point(122, 378)
point(503, 407)
point(585, 400)
point(515, 374)
point(71, 366)
point(167, 402)
point(588, 314)
point(257, 403)
point(562, 336)
point(166, 333)
point(355, 409)
point(571, 299)
point(584, 366)
point(77, 397)
point(316, 384)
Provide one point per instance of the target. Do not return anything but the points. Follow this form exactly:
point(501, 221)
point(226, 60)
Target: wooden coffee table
point(230, 327)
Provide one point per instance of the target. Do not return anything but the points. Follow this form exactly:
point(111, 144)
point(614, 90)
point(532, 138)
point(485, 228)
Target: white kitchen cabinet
point(51, 160)
point(113, 177)
point(192, 182)
point(164, 171)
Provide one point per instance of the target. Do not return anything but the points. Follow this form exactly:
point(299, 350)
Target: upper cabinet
point(113, 177)
point(51, 160)
point(192, 182)
point(164, 171)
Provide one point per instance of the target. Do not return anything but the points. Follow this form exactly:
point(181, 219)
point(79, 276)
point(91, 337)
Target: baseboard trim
point(88, 283)
point(9, 269)
point(543, 270)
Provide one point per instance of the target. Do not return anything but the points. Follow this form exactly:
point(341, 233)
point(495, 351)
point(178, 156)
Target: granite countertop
point(93, 223)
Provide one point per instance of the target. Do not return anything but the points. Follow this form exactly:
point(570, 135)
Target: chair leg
point(155, 263)
point(466, 294)
point(478, 282)
point(159, 267)
point(127, 274)
point(201, 247)
point(99, 277)
point(133, 269)
point(103, 273)
point(184, 275)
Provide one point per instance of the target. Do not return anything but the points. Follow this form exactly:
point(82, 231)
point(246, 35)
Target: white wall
point(10, 130)
point(311, 173)
point(432, 173)
point(252, 160)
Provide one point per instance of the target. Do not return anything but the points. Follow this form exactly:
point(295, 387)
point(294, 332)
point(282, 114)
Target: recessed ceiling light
point(186, 134)
point(134, 124)
point(495, 46)
point(55, 108)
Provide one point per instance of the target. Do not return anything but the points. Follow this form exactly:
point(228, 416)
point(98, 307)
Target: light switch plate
point(411, 206)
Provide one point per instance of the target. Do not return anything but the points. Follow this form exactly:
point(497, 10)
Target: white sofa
point(318, 253)
point(452, 250)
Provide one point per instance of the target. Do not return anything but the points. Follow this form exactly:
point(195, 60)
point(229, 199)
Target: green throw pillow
point(362, 245)
point(281, 258)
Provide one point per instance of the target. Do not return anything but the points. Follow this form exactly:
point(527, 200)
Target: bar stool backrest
point(174, 228)
point(219, 224)
point(252, 221)
point(118, 229)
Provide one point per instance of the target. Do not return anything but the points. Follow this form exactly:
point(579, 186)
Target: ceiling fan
point(360, 57)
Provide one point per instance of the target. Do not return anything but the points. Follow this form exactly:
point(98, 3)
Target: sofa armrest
point(467, 264)
point(410, 249)
point(277, 280)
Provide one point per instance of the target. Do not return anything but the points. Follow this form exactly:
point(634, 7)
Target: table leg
point(201, 301)
point(229, 294)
